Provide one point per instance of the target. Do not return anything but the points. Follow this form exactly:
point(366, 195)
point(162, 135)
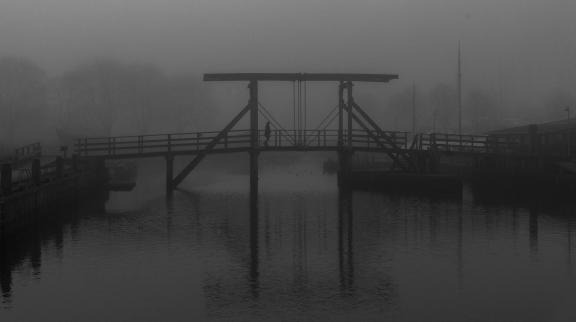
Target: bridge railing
point(320, 138)
point(160, 143)
point(17, 179)
point(448, 142)
point(234, 140)
point(24, 154)
point(362, 139)
point(329, 138)
point(239, 140)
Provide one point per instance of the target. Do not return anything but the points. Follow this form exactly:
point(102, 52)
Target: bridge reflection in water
point(316, 254)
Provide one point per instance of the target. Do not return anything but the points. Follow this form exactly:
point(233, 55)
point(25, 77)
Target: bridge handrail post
point(367, 138)
point(169, 143)
point(226, 140)
point(140, 144)
point(198, 141)
point(109, 145)
point(85, 146)
point(405, 140)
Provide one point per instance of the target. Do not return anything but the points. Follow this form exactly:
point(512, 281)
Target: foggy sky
point(521, 45)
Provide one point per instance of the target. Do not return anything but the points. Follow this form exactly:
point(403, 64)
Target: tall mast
point(459, 89)
point(413, 108)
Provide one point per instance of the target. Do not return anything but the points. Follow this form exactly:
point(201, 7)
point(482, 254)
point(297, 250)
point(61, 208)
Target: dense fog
point(96, 68)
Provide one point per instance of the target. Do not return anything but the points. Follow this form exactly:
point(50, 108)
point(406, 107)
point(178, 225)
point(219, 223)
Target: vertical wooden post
point(340, 115)
point(169, 174)
point(6, 178)
point(140, 143)
point(36, 172)
point(74, 163)
point(533, 138)
point(254, 137)
point(254, 249)
point(343, 155)
point(350, 103)
point(253, 86)
point(59, 167)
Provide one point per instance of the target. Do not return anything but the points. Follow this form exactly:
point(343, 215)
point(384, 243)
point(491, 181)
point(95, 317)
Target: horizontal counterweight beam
point(379, 78)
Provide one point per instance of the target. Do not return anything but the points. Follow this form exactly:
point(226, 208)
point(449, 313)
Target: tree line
point(437, 109)
point(98, 98)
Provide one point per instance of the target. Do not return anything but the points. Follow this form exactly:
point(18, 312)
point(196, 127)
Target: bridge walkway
point(174, 144)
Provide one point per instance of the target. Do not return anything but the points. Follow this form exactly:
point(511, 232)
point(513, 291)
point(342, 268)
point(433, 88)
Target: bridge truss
point(355, 130)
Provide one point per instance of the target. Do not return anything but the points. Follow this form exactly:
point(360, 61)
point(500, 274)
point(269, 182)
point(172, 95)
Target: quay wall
point(38, 202)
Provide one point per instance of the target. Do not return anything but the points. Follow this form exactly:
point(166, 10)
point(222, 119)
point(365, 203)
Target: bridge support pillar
point(6, 178)
point(254, 174)
point(169, 175)
point(344, 167)
point(254, 219)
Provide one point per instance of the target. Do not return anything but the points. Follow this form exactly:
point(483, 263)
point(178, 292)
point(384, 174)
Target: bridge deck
point(310, 140)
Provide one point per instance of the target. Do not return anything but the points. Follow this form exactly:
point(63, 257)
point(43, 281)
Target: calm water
point(317, 255)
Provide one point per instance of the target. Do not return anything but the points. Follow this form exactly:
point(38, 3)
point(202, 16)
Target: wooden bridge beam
point(254, 138)
point(169, 174)
point(253, 87)
point(186, 171)
point(341, 114)
point(381, 133)
point(6, 178)
point(349, 104)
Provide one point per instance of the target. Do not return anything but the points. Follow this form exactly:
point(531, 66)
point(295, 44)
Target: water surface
point(318, 254)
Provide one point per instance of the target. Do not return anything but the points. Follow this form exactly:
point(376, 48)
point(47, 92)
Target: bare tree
point(102, 93)
point(22, 94)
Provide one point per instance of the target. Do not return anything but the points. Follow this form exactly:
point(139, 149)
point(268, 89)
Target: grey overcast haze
point(523, 48)
point(520, 39)
point(288, 160)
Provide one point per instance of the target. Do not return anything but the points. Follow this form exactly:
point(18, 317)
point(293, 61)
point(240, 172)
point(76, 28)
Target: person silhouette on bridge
point(267, 133)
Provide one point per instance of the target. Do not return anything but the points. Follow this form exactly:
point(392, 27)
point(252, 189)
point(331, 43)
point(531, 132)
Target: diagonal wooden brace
point(186, 171)
point(376, 138)
point(382, 134)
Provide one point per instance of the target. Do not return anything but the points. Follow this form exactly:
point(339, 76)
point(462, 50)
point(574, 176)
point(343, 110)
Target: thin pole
point(569, 132)
point(340, 114)
point(294, 109)
point(305, 110)
point(413, 108)
point(299, 112)
point(254, 137)
point(350, 104)
point(459, 89)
